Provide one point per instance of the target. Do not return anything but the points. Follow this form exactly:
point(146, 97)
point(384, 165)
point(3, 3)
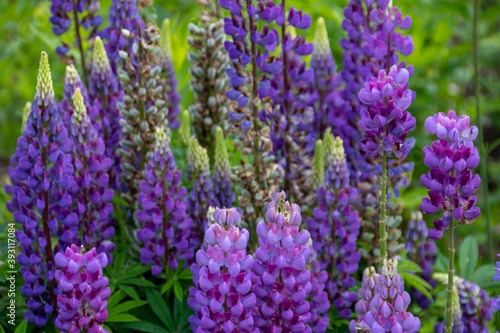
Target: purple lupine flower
point(65, 11)
point(387, 311)
point(385, 118)
point(165, 226)
point(320, 303)
point(106, 94)
point(450, 180)
point(222, 298)
point(41, 177)
point(335, 228)
point(84, 291)
point(421, 251)
point(224, 195)
point(282, 281)
point(495, 303)
point(328, 107)
point(201, 196)
point(169, 81)
point(125, 24)
point(92, 195)
point(366, 293)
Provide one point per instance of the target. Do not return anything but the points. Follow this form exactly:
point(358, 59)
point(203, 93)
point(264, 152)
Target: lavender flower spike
point(224, 195)
point(84, 291)
point(387, 311)
point(281, 278)
point(222, 298)
point(385, 117)
point(92, 195)
point(165, 226)
point(41, 176)
point(495, 303)
point(450, 180)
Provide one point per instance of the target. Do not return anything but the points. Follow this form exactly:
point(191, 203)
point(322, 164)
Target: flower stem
point(451, 274)
point(482, 152)
point(383, 210)
point(80, 44)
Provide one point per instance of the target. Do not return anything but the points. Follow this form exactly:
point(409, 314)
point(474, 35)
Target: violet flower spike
point(222, 298)
point(84, 291)
point(92, 195)
point(41, 178)
point(165, 225)
point(282, 281)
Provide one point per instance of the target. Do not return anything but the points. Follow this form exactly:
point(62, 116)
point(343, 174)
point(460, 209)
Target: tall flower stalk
point(224, 195)
point(386, 122)
point(451, 184)
point(42, 179)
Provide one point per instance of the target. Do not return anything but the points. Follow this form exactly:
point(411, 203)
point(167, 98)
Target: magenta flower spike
point(222, 298)
point(450, 180)
point(84, 291)
point(282, 281)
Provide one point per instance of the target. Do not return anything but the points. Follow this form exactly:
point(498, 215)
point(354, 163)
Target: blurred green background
point(443, 79)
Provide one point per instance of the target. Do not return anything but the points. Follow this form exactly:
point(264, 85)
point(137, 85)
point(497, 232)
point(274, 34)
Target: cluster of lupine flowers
point(275, 240)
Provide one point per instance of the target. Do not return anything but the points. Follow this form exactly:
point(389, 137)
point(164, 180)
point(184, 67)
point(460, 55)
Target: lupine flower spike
point(185, 127)
point(165, 226)
point(335, 228)
point(41, 176)
point(84, 291)
point(496, 277)
point(222, 298)
point(92, 196)
point(224, 195)
point(282, 281)
point(387, 311)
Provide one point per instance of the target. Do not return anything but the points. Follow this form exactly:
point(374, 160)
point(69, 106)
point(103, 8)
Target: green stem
point(482, 150)
point(451, 274)
point(80, 44)
point(383, 210)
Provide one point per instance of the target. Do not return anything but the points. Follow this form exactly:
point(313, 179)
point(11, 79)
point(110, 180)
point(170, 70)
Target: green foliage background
point(443, 78)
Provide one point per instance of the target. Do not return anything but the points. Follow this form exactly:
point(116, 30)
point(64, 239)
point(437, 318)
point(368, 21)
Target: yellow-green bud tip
point(318, 178)
point(44, 85)
point(100, 61)
point(80, 111)
point(165, 41)
point(221, 159)
point(321, 42)
point(26, 114)
point(162, 137)
point(185, 128)
point(72, 77)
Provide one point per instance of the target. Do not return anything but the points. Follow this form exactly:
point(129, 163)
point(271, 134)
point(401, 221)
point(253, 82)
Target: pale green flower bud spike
point(162, 139)
point(338, 150)
point(44, 86)
point(197, 157)
point(321, 41)
point(100, 61)
point(221, 160)
point(80, 111)
point(328, 146)
point(165, 41)
point(72, 77)
point(26, 114)
point(318, 177)
point(185, 128)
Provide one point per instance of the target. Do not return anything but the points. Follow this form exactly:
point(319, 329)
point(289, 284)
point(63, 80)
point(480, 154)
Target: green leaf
point(441, 264)
point(1, 330)
point(125, 306)
point(178, 291)
point(22, 327)
point(133, 271)
point(166, 287)
point(406, 265)
point(160, 308)
point(482, 277)
point(468, 257)
point(145, 326)
point(116, 298)
point(185, 275)
point(121, 318)
point(418, 283)
point(140, 282)
point(130, 291)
